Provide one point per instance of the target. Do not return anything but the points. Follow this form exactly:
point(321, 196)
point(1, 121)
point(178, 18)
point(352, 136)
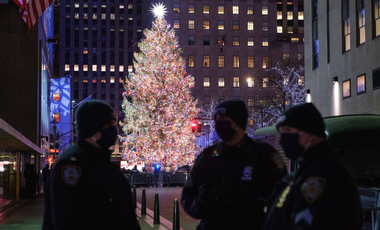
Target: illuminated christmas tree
point(157, 103)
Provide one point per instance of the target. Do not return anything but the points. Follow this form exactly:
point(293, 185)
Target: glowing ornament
point(159, 10)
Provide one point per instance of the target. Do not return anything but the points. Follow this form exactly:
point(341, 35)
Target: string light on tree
point(157, 103)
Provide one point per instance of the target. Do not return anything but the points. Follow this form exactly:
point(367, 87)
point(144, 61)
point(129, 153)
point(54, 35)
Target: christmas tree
point(157, 103)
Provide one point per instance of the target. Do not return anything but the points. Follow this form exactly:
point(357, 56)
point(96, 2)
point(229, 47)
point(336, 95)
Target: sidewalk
point(28, 214)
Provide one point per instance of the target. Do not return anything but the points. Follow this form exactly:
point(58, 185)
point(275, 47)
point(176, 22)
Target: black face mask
point(108, 137)
point(289, 142)
point(224, 130)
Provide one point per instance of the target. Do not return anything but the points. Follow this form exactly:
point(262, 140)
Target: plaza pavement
point(28, 214)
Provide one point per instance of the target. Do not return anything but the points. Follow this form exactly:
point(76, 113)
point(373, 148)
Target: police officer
point(321, 193)
point(85, 190)
point(230, 181)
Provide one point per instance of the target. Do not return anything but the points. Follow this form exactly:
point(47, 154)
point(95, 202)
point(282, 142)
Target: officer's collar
point(223, 148)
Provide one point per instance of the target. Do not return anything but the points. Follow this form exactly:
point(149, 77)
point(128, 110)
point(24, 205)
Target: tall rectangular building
point(97, 42)
point(342, 44)
point(228, 45)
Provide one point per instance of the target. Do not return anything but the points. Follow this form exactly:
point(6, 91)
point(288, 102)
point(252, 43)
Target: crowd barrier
point(161, 179)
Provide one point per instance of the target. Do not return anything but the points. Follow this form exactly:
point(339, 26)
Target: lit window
point(235, 41)
point(103, 16)
point(301, 80)
point(264, 10)
point(220, 9)
point(235, 63)
point(300, 15)
point(176, 8)
point(250, 25)
point(346, 25)
point(206, 24)
point(265, 26)
point(85, 67)
point(191, 24)
point(130, 68)
point(176, 24)
point(360, 84)
point(191, 61)
point(121, 6)
point(206, 9)
point(85, 81)
point(235, 25)
point(294, 39)
point(221, 61)
point(286, 58)
point(251, 101)
point(85, 51)
point(250, 82)
point(191, 9)
point(220, 25)
point(206, 82)
point(130, 6)
point(235, 9)
point(279, 29)
point(236, 82)
point(279, 15)
point(376, 9)
point(103, 68)
point(94, 16)
point(361, 25)
point(289, 15)
point(206, 61)
point(265, 62)
point(112, 79)
point(221, 82)
point(103, 80)
point(265, 41)
point(346, 89)
point(112, 16)
point(76, 15)
point(112, 68)
point(76, 67)
point(56, 96)
point(250, 41)
point(265, 82)
point(121, 68)
point(67, 67)
point(251, 62)
point(250, 10)
point(121, 80)
point(76, 5)
point(94, 67)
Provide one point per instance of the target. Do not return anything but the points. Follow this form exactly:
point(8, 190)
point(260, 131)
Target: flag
point(31, 10)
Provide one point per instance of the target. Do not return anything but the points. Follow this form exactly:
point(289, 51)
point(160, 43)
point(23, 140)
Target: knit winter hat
point(234, 109)
point(91, 116)
point(304, 117)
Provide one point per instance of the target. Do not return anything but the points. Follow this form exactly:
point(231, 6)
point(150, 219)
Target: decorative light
point(159, 10)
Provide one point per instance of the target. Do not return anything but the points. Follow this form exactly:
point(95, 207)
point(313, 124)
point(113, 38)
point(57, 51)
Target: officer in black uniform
point(321, 193)
point(85, 190)
point(231, 180)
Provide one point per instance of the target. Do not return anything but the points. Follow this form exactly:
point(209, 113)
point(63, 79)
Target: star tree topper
point(159, 10)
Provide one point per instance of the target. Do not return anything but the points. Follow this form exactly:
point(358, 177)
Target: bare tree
point(288, 83)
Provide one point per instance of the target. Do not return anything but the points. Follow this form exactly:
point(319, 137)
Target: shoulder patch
point(277, 159)
point(71, 174)
point(312, 188)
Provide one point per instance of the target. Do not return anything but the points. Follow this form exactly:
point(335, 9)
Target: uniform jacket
point(320, 194)
point(86, 191)
point(243, 175)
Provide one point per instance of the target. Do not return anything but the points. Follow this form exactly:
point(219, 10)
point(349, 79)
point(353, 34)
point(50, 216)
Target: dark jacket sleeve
point(47, 223)
point(198, 176)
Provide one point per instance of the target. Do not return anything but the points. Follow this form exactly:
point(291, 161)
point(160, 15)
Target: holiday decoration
point(157, 103)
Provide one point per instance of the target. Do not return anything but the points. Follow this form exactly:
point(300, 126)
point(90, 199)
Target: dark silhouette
point(230, 180)
point(85, 190)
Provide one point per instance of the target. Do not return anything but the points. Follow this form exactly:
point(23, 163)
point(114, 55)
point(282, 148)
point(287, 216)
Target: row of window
point(103, 68)
point(250, 82)
point(221, 9)
point(102, 16)
point(95, 4)
point(235, 41)
point(361, 84)
point(236, 25)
